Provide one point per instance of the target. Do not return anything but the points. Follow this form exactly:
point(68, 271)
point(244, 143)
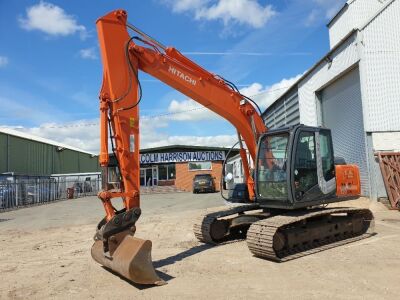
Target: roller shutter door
point(341, 110)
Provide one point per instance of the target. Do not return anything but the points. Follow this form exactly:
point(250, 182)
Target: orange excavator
point(295, 175)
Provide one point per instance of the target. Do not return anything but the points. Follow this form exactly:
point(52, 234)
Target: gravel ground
point(45, 254)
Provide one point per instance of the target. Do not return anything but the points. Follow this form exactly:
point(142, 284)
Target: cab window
point(305, 164)
point(272, 176)
point(326, 149)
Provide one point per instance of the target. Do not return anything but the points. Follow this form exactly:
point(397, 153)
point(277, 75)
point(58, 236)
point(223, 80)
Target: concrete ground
point(45, 254)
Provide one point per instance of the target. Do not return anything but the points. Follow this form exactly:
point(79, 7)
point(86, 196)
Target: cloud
point(264, 97)
point(330, 7)
point(243, 12)
point(252, 89)
point(85, 100)
point(85, 134)
point(52, 20)
point(323, 10)
point(16, 110)
point(187, 5)
point(313, 17)
point(3, 61)
point(214, 140)
point(88, 53)
point(189, 110)
point(152, 134)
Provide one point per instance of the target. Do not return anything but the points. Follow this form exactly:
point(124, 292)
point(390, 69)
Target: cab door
point(313, 170)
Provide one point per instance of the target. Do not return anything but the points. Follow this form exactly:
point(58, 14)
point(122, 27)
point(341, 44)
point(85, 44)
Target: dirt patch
point(55, 263)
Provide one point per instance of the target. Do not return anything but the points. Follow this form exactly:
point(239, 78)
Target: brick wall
point(166, 182)
point(184, 177)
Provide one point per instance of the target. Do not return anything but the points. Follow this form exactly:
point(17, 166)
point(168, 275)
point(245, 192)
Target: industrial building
point(35, 170)
point(23, 153)
point(176, 165)
point(354, 89)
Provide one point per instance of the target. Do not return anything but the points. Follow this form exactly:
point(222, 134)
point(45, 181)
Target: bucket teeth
point(131, 259)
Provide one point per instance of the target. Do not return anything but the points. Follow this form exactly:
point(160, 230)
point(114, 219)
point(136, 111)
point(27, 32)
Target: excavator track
point(299, 233)
point(208, 229)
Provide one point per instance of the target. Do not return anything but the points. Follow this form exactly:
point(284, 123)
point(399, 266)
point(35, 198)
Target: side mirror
point(228, 177)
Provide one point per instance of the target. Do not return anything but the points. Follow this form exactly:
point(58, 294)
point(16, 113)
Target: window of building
point(171, 171)
point(200, 165)
point(162, 172)
point(166, 172)
point(237, 172)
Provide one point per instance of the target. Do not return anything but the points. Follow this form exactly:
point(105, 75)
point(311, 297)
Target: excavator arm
point(123, 56)
point(122, 59)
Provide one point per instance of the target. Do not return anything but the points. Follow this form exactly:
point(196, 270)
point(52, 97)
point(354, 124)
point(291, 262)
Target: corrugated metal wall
point(342, 59)
point(283, 112)
point(3, 153)
point(28, 157)
point(356, 15)
point(66, 161)
point(35, 158)
point(341, 109)
point(87, 162)
point(380, 70)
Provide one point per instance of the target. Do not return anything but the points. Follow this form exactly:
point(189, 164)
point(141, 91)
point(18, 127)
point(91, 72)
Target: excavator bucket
point(131, 259)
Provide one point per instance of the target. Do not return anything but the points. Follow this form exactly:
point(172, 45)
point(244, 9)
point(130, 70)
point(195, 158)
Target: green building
point(25, 154)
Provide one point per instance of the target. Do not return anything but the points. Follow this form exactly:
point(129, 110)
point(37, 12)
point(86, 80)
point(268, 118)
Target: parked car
point(203, 183)
point(82, 187)
point(36, 194)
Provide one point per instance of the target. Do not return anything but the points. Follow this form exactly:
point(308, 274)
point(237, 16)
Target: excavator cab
point(296, 168)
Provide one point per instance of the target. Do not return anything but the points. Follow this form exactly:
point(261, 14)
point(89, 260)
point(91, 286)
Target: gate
point(389, 163)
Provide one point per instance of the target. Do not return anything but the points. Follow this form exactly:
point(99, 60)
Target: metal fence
point(32, 191)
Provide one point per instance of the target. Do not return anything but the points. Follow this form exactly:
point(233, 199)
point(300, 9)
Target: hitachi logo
point(182, 75)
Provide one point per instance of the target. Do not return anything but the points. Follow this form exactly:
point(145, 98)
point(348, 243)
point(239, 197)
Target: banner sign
point(154, 158)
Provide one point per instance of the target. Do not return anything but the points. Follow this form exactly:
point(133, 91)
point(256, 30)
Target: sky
point(51, 71)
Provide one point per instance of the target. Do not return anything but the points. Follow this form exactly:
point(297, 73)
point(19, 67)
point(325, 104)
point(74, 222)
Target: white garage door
point(341, 109)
